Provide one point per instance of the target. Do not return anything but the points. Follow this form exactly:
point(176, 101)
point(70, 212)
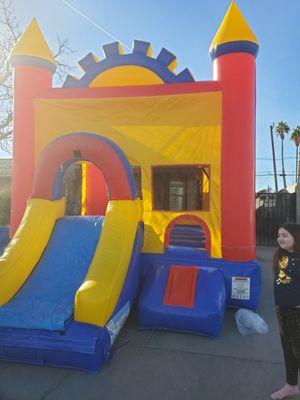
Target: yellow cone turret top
point(32, 49)
point(234, 35)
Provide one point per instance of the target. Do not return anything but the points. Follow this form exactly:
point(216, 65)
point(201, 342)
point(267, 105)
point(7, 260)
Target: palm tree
point(281, 129)
point(295, 136)
point(273, 155)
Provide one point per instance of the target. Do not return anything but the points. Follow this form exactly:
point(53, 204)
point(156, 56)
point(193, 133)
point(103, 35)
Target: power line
point(94, 23)
point(276, 159)
point(271, 174)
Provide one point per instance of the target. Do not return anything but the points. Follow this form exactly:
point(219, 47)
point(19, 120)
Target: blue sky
point(186, 28)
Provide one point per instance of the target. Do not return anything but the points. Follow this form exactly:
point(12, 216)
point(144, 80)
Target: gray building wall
point(5, 173)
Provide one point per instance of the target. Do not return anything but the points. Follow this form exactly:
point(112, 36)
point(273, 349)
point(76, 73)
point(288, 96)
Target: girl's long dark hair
point(294, 230)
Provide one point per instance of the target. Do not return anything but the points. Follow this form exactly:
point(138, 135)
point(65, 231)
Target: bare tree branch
point(6, 122)
point(5, 75)
point(8, 20)
point(9, 35)
point(63, 67)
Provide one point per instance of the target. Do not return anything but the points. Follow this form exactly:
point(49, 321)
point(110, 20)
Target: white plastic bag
point(248, 322)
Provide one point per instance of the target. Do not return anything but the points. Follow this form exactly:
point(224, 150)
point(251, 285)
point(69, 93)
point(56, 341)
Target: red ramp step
point(181, 286)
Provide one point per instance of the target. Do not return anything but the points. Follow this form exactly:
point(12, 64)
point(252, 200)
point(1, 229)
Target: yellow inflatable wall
point(152, 132)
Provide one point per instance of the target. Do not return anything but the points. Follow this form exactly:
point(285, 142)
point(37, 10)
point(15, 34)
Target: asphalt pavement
point(157, 365)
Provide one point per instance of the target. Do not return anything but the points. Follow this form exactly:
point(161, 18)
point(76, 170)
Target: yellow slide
point(25, 249)
point(98, 296)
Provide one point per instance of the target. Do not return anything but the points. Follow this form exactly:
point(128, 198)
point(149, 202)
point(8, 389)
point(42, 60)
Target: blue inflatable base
point(220, 283)
point(81, 346)
point(205, 318)
point(242, 279)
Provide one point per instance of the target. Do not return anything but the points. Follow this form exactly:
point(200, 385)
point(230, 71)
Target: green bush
point(5, 199)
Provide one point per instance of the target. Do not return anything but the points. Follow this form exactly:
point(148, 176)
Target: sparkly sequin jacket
point(287, 281)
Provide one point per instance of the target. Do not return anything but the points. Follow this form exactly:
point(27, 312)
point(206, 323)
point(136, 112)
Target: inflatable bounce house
point(167, 219)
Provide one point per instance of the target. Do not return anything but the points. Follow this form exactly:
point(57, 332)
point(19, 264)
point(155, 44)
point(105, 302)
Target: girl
point(286, 267)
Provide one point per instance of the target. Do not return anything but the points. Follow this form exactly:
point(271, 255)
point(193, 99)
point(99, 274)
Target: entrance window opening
point(84, 187)
point(188, 235)
point(181, 188)
point(187, 231)
point(72, 189)
point(138, 180)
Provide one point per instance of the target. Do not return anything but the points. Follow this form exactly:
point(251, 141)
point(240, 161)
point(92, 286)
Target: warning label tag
point(240, 288)
point(115, 324)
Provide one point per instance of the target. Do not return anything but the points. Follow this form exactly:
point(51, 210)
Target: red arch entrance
point(105, 154)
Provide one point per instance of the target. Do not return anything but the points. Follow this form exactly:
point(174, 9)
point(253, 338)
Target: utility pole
point(273, 153)
point(296, 172)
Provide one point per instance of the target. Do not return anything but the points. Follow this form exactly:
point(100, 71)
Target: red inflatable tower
point(233, 50)
point(33, 68)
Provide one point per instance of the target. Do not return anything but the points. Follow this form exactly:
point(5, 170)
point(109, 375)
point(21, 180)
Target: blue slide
point(46, 300)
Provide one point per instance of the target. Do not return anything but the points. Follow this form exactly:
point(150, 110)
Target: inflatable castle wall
point(167, 195)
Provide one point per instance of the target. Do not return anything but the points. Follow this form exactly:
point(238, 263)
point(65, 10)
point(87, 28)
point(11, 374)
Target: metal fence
point(272, 209)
